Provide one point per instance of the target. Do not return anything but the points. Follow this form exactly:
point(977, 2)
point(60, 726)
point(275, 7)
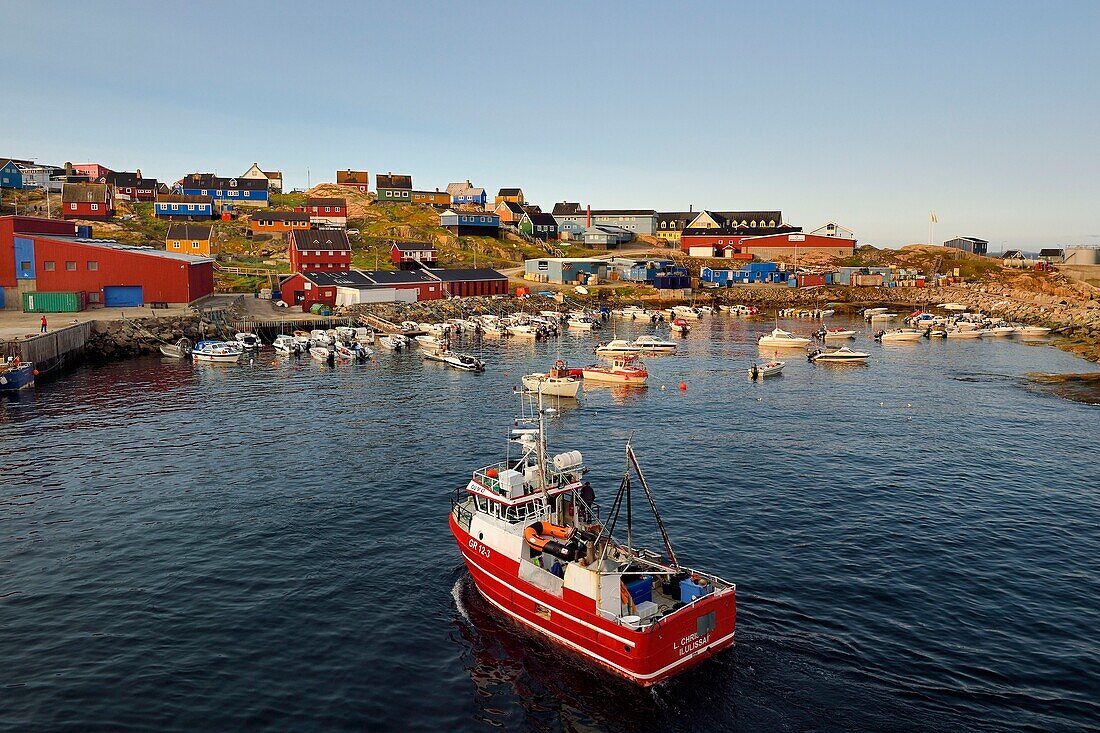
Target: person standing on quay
point(43, 324)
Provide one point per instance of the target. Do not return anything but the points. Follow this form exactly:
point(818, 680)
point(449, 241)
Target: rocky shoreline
point(124, 339)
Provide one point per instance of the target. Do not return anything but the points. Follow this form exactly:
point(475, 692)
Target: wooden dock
point(50, 350)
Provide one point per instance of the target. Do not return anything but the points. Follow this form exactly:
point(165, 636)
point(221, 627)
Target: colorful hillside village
point(123, 239)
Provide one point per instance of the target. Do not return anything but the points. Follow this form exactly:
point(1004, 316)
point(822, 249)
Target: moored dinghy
point(179, 350)
point(770, 369)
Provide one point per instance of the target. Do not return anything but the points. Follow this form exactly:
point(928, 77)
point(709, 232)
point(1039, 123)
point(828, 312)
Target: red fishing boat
point(531, 535)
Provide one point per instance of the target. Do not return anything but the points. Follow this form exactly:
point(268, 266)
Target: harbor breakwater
point(126, 338)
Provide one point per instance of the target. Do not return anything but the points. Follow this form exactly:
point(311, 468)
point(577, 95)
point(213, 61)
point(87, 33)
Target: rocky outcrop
point(134, 337)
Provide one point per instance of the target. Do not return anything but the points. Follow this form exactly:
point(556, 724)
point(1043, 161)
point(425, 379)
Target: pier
point(51, 350)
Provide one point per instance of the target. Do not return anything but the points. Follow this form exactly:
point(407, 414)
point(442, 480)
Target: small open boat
point(759, 371)
point(431, 342)
point(323, 353)
point(560, 381)
point(899, 335)
point(248, 340)
point(393, 342)
point(179, 350)
point(465, 362)
point(679, 325)
point(836, 334)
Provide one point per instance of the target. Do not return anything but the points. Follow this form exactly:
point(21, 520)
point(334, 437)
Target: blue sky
point(869, 113)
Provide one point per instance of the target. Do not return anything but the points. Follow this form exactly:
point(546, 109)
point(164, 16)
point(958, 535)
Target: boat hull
point(216, 358)
point(18, 378)
point(551, 386)
point(644, 656)
point(631, 380)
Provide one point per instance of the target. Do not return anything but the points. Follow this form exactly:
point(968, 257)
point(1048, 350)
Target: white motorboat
point(1032, 331)
point(523, 329)
point(286, 344)
point(841, 355)
point(427, 341)
point(687, 311)
point(345, 333)
point(561, 386)
point(393, 342)
point(465, 362)
point(899, 335)
point(364, 335)
point(655, 345)
point(319, 337)
point(679, 325)
point(873, 311)
point(435, 329)
point(759, 371)
point(552, 315)
point(247, 340)
point(354, 352)
point(217, 352)
point(952, 306)
point(836, 334)
point(465, 325)
point(1001, 331)
point(301, 338)
point(959, 333)
point(630, 313)
point(322, 353)
point(881, 317)
point(617, 346)
point(779, 338)
point(410, 326)
point(583, 323)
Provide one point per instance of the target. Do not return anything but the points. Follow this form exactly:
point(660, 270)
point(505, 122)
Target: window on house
point(72, 207)
point(93, 265)
point(194, 245)
point(49, 266)
point(93, 297)
point(70, 266)
point(175, 245)
point(25, 265)
point(328, 209)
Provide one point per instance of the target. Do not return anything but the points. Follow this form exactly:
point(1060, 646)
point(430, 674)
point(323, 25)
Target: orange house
point(279, 222)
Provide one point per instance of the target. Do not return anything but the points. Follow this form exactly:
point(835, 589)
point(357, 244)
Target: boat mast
point(652, 504)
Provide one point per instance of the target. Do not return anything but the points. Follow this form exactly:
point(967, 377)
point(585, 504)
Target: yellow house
point(189, 239)
point(515, 195)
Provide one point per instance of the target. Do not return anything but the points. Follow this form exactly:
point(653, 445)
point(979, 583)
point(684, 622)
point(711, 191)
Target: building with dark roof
point(412, 255)
point(87, 201)
point(471, 281)
point(973, 245)
point(327, 211)
point(514, 195)
point(192, 239)
point(1052, 255)
point(316, 250)
point(132, 186)
point(669, 224)
point(278, 222)
point(182, 206)
point(228, 193)
point(539, 225)
point(393, 187)
point(359, 180)
point(471, 223)
point(509, 212)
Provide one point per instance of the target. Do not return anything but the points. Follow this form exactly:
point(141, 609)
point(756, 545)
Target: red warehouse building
point(87, 201)
point(426, 286)
point(467, 282)
point(47, 260)
point(319, 250)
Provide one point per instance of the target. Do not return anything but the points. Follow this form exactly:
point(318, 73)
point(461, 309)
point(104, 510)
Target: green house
point(390, 187)
point(539, 225)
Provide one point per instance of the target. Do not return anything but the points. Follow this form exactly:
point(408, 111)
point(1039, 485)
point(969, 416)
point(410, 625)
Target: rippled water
point(265, 546)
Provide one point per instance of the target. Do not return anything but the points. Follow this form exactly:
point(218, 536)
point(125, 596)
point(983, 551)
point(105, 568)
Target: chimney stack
point(588, 219)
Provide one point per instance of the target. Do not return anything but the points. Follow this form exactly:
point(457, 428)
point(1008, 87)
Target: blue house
point(466, 194)
point(181, 206)
point(227, 193)
point(474, 223)
point(11, 175)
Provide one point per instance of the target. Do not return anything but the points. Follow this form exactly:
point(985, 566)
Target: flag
point(932, 217)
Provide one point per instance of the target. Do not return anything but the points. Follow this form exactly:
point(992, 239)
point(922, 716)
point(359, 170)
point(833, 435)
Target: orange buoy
point(683, 386)
point(34, 372)
point(491, 473)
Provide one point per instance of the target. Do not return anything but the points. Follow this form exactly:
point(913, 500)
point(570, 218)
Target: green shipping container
point(53, 302)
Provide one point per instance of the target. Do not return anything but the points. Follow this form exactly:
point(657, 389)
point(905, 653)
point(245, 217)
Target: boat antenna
point(633, 459)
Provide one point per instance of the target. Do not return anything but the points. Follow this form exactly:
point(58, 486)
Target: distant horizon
point(870, 116)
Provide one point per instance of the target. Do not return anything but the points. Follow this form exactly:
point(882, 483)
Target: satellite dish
point(582, 290)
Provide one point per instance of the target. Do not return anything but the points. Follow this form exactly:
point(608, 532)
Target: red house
point(469, 282)
point(49, 259)
point(412, 255)
point(87, 201)
point(359, 180)
point(319, 249)
point(327, 211)
point(94, 171)
point(132, 186)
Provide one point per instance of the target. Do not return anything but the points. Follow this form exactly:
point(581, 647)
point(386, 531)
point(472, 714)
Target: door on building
point(117, 296)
